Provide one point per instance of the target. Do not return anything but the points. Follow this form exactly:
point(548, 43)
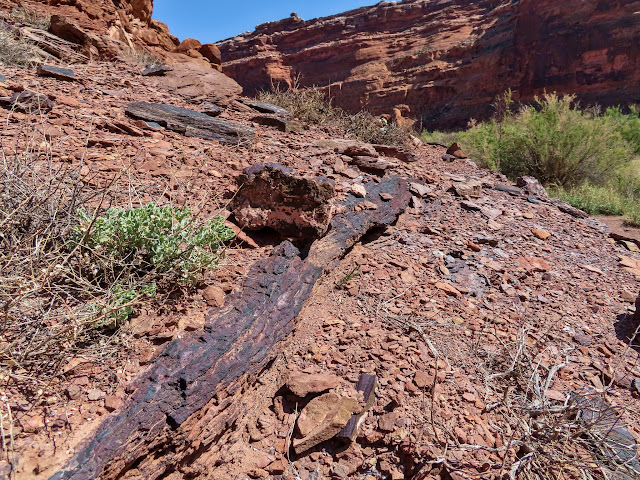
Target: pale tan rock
point(322, 419)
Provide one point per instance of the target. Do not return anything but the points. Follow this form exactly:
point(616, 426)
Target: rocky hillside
point(445, 61)
point(383, 313)
point(107, 29)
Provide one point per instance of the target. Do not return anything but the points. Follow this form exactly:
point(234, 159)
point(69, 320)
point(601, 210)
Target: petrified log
point(270, 195)
point(181, 404)
point(264, 107)
point(59, 73)
point(191, 123)
point(367, 385)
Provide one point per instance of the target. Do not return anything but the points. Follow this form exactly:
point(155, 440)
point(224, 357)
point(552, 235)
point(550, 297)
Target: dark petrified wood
point(180, 404)
point(191, 123)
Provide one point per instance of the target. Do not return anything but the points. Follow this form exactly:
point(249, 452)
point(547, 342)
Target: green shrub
point(553, 140)
point(628, 124)
point(584, 157)
point(161, 239)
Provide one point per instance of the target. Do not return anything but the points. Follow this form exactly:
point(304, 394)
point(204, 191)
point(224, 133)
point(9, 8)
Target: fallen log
point(183, 403)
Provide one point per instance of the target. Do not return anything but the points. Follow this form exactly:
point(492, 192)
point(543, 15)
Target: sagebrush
point(585, 156)
point(73, 268)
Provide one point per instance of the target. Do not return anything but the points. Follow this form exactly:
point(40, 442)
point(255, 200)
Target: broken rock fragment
point(65, 74)
point(531, 186)
point(156, 70)
point(28, 102)
point(321, 419)
point(373, 165)
point(467, 188)
point(281, 124)
point(264, 107)
point(270, 195)
point(456, 151)
point(302, 384)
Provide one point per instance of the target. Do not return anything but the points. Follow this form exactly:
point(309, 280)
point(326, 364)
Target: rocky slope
point(108, 29)
point(482, 331)
point(444, 61)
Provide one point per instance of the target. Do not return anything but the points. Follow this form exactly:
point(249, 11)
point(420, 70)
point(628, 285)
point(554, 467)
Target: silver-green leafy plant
point(149, 243)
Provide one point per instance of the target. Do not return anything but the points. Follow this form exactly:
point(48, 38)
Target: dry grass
point(140, 56)
point(15, 50)
point(313, 106)
point(63, 296)
point(582, 437)
point(25, 16)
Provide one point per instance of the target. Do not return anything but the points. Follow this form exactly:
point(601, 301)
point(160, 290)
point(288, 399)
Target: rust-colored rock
point(211, 52)
point(302, 384)
point(445, 61)
point(272, 196)
point(104, 29)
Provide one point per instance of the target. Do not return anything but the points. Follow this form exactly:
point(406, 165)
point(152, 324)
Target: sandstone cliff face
point(108, 28)
point(445, 61)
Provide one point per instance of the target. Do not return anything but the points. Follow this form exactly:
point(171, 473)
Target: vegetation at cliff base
point(587, 157)
point(314, 106)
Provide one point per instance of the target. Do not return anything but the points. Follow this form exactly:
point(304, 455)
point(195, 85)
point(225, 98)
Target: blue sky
point(213, 20)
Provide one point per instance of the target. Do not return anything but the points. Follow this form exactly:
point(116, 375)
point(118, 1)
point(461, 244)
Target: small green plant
point(350, 276)
point(119, 304)
point(161, 239)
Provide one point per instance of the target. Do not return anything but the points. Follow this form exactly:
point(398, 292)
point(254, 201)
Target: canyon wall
point(108, 29)
point(442, 62)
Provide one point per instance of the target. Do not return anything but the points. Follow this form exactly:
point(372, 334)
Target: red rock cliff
point(107, 28)
point(445, 61)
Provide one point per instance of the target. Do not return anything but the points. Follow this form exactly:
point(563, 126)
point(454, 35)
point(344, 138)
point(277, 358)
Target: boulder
point(270, 195)
point(211, 53)
point(196, 82)
point(188, 44)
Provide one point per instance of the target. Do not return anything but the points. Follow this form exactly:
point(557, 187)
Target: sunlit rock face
point(442, 62)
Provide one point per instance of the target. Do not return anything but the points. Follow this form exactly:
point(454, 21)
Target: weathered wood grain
point(191, 123)
point(182, 403)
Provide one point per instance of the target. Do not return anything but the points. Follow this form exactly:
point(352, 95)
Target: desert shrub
point(68, 278)
point(558, 143)
point(16, 50)
point(312, 105)
point(153, 238)
point(552, 140)
point(586, 157)
point(627, 124)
